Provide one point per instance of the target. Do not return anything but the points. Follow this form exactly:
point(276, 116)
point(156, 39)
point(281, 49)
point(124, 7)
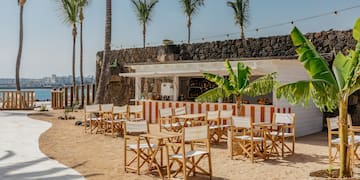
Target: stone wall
point(275, 46)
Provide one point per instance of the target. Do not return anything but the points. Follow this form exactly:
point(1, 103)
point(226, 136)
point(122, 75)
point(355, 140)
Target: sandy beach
point(99, 157)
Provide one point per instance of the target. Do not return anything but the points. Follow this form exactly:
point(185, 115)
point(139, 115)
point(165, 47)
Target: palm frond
point(315, 65)
point(211, 95)
point(69, 10)
point(190, 7)
point(143, 10)
point(261, 86)
point(302, 92)
point(241, 10)
point(233, 79)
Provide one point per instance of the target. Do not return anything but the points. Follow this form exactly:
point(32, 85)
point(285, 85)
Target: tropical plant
point(327, 89)
point(143, 11)
point(82, 5)
point(70, 9)
point(238, 84)
point(190, 8)
point(105, 69)
point(18, 59)
point(241, 15)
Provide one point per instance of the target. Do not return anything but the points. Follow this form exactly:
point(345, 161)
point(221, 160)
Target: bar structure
point(310, 120)
point(259, 113)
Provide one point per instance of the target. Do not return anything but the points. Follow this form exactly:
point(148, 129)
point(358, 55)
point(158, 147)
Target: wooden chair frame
point(91, 114)
point(135, 113)
point(187, 161)
point(283, 122)
point(353, 140)
point(213, 121)
point(166, 120)
point(107, 117)
point(225, 123)
point(132, 130)
point(250, 139)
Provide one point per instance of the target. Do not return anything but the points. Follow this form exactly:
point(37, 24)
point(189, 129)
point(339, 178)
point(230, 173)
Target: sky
point(47, 47)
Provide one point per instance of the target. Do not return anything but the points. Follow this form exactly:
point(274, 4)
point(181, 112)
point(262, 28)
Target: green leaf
point(356, 30)
point(218, 80)
point(210, 95)
point(261, 86)
point(244, 73)
point(232, 77)
point(343, 68)
point(302, 92)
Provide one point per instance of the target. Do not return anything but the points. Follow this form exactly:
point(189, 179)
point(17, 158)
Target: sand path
point(20, 156)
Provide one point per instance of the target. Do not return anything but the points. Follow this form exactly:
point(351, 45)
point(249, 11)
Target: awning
point(259, 67)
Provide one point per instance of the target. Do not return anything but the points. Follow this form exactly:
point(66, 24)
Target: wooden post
point(72, 96)
point(77, 94)
point(66, 96)
point(82, 96)
point(93, 93)
point(87, 94)
point(61, 98)
point(52, 99)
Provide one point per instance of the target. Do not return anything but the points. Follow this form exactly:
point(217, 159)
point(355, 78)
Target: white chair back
point(135, 108)
point(284, 118)
point(196, 133)
point(224, 114)
point(180, 111)
point(241, 121)
point(120, 109)
point(95, 108)
point(167, 112)
point(136, 127)
point(212, 115)
point(333, 122)
point(108, 108)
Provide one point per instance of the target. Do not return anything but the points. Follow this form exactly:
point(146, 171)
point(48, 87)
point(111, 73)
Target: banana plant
point(238, 84)
point(327, 89)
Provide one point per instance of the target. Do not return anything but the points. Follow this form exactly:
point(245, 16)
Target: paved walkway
point(20, 156)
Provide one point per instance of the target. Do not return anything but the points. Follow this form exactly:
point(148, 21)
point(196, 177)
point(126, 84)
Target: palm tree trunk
point(18, 59)
point(81, 63)
point(243, 37)
point(144, 34)
point(238, 105)
point(189, 29)
point(343, 133)
point(73, 60)
point(105, 71)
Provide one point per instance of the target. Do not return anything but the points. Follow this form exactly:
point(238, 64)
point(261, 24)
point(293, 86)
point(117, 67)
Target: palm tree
point(18, 59)
point(105, 71)
point(70, 10)
point(190, 8)
point(143, 12)
point(82, 4)
point(241, 15)
point(327, 89)
point(238, 84)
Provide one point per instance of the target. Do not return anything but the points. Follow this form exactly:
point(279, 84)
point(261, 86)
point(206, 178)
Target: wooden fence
point(70, 96)
point(17, 100)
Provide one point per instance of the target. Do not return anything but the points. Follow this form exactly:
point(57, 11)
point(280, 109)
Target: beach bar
point(182, 81)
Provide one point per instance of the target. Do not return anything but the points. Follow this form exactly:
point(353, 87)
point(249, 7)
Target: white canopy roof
point(259, 67)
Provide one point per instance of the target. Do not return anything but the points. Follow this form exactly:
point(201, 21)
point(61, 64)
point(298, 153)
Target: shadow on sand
point(7, 171)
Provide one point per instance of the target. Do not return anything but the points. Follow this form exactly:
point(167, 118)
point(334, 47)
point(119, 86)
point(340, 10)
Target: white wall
point(308, 120)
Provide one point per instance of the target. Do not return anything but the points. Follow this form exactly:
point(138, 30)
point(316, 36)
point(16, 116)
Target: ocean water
point(43, 94)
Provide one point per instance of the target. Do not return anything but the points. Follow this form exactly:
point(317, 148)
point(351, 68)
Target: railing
point(17, 100)
point(70, 96)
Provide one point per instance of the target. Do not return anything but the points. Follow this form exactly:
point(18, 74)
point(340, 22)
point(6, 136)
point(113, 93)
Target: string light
point(227, 35)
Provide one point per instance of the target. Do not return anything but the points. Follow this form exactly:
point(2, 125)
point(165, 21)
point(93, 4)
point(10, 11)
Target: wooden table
point(191, 118)
point(160, 138)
